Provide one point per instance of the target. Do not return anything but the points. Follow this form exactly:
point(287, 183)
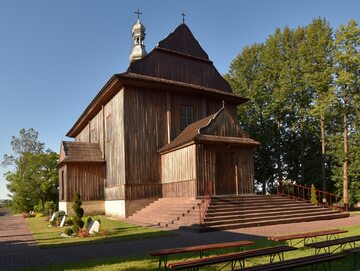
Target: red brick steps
point(231, 212)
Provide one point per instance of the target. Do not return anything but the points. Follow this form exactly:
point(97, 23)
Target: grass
point(146, 262)
point(114, 230)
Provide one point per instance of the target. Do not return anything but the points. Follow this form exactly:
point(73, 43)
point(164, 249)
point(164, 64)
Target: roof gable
point(219, 127)
point(183, 41)
point(179, 57)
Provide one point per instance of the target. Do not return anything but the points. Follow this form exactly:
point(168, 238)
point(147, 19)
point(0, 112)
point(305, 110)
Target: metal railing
point(300, 192)
point(205, 202)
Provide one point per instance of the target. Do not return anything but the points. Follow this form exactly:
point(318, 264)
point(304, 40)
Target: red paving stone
point(18, 249)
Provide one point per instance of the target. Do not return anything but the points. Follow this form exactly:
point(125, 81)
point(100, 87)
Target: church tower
point(138, 35)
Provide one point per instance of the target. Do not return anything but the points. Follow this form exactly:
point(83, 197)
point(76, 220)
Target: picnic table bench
point(306, 236)
point(340, 243)
point(201, 249)
point(231, 258)
point(314, 260)
point(355, 251)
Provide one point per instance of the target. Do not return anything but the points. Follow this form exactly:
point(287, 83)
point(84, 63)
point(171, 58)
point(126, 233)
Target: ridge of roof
point(183, 41)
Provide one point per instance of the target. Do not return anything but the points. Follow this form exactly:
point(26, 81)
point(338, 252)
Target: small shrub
point(313, 196)
point(75, 229)
point(49, 207)
point(79, 212)
point(69, 222)
point(39, 215)
point(68, 231)
point(38, 208)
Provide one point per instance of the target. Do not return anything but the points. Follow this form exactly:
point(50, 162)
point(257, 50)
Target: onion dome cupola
point(138, 35)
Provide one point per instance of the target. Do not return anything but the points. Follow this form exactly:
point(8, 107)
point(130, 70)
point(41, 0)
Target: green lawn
point(110, 230)
point(146, 262)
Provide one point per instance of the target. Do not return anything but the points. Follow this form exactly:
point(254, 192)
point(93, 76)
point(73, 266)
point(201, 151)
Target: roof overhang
point(143, 81)
point(112, 87)
point(117, 81)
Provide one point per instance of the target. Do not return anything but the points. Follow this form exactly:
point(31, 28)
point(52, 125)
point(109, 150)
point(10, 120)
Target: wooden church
point(164, 128)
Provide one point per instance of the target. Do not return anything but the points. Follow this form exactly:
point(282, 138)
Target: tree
point(33, 179)
point(347, 58)
point(319, 75)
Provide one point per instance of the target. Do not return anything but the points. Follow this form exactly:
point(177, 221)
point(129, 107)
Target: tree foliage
point(33, 179)
point(297, 81)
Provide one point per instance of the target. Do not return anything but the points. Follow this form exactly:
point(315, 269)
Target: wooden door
point(225, 173)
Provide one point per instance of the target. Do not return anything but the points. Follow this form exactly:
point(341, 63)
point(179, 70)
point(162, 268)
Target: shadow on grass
point(105, 239)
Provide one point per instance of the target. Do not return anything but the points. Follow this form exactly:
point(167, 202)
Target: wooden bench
point(201, 249)
point(232, 258)
point(355, 251)
point(306, 236)
point(340, 243)
point(314, 260)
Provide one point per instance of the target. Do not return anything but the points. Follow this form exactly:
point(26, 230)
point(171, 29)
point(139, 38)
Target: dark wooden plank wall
point(145, 132)
point(114, 147)
point(245, 170)
point(205, 163)
point(62, 183)
point(211, 168)
point(85, 178)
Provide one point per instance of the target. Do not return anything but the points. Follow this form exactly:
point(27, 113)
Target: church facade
point(167, 127)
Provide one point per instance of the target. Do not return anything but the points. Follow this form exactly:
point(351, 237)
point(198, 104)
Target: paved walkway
point(18, 248)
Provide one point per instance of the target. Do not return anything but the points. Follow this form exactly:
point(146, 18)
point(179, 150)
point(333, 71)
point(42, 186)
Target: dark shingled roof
point(183, 41)
point(80, 152)
point(179, 57)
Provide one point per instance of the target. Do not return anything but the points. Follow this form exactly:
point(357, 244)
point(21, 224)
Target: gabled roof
point(179, 57)
point(218, 128)
point(80, 152)
point(183, 41)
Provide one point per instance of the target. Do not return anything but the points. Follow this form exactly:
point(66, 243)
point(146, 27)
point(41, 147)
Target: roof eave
point(104, 95)
point(136, 80)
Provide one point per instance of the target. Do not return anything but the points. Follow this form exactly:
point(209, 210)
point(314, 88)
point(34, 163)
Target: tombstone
point(52, 217)
point(89, 225)
point(62, 223)
point(95, 227)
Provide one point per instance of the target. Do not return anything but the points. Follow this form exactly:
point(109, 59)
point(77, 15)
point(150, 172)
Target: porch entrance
point(225, 179)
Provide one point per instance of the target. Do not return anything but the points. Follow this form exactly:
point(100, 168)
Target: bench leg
point(163, 259)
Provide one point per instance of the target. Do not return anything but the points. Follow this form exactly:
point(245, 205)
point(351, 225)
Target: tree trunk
point(302, 155)
point(323, 150)
point(346, 152)
point(278, 144)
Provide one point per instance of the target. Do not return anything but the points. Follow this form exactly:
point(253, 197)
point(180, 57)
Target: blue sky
point(56, 55)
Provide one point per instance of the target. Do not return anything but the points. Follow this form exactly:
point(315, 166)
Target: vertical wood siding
point(145, 132)
point(179, 165)
point(114, 148)
point(87, 179)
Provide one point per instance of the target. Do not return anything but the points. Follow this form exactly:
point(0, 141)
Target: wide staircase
point(231, 212)
point(170, 213)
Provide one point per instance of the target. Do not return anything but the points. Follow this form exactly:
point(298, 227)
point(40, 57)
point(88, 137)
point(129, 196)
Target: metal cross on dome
point(138, 13)
point(183, 15)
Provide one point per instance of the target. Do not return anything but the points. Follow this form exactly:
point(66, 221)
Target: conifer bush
point(79, 213)
point(313, 196)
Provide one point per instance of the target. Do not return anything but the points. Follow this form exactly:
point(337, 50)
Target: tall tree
point(33, 178)
point(347, 57)
point(319, 71)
